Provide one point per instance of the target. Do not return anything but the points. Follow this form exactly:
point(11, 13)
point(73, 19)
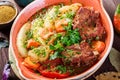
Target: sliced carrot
point(28, 63)
point(98, 45)
point(59, 29)
point(33, 43)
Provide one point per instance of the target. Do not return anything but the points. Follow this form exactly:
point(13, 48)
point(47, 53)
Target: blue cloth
point(23, 3)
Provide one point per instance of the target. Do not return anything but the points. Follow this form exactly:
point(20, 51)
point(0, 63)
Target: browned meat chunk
point(89, 24)
point(79, 55)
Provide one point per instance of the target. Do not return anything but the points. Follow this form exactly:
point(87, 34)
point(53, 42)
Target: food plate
point(32, 8)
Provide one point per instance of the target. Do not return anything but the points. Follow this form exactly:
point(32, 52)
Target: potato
point(21, 38)
point(39, 54)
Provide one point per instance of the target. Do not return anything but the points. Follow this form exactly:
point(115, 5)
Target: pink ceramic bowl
point(32, 8)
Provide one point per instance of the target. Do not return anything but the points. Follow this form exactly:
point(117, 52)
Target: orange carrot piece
point(33, 43)
point(98, 45)
point(59, 29)
point(28, 63)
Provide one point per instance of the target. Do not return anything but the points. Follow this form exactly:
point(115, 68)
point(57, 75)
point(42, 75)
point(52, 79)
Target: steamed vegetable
point(40, 54)
point(21, 38)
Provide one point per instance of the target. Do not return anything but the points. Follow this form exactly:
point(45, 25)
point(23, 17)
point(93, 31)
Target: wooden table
point(110, 6)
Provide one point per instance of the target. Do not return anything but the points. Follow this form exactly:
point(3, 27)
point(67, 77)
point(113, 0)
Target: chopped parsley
point(40, 51)
point(97, 38)
point(61, 68)
point(71, 37)
point(56, 9)
point(70, 15)
point(56, 55)
point(58, 46)
point(38, 22)
point(29, 34)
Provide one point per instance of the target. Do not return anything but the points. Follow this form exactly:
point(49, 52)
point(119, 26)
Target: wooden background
point(110, 6)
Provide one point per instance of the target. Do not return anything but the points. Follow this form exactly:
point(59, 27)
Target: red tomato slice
point(54, 74)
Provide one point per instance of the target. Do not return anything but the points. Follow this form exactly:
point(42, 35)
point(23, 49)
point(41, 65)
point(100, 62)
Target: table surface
point(110, 6)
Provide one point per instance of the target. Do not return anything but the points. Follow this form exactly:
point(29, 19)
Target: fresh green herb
point(24, 43)
point(44, 9)
point(29, 34)
point(97, 38)
point(70, 52)
point(48, 66)
point(61, 4)
point(89, 41)
point(37, 14)
point(57, 10)
point(40, 51)
point(41, 22)
point(59, 36)
point(54, 56)
point(67, 61)
point(32, 47)
point(71, 70)
point(37, 51)
point(70, 15)
point(61, 68)
point(52, 47)
point(78, 52)
point(53, 15)
point(38, 22)
point(71, 36)
point(69, 27)
point(117, 10)
point(58, 46)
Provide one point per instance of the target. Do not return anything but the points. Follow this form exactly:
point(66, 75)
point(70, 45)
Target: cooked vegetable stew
point(62, 40)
